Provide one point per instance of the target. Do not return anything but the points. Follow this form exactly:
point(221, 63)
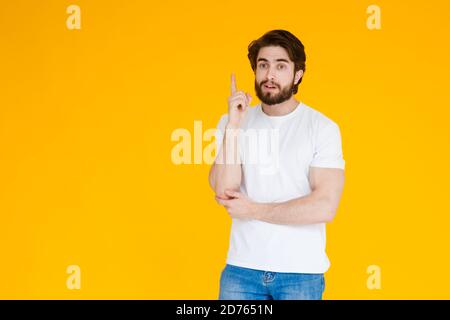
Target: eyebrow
point(262, 59)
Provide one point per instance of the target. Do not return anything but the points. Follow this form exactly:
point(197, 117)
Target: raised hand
point(238, 102)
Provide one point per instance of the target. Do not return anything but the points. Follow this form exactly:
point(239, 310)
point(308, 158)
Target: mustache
point(272, 84)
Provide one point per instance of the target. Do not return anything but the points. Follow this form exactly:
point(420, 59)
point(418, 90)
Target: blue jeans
point(238, 283)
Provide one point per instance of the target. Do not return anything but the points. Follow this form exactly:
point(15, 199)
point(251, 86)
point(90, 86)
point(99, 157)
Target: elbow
point(329, 217)
point(329, 213)
point(211, 182)
point(219, 185)
point(220, 191)
point(212, 179)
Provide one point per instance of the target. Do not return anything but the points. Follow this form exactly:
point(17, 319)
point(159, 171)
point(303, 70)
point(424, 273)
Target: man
point(280, 203)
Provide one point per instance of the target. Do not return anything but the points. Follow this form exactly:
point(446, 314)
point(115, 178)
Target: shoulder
point(317, 119)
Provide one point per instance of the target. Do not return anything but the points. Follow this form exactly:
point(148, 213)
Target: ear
point(298, 76)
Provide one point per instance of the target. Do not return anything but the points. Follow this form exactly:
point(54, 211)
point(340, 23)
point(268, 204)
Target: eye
point(262, 65)
point(281, 66)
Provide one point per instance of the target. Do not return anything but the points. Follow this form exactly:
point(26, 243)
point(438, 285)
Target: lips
point(267, 86)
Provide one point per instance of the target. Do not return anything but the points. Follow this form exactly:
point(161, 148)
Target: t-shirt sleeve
point(220, 131)
point(328, 147)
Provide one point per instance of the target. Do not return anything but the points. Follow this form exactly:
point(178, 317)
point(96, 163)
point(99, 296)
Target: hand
point(239, 206)
point(238, 103)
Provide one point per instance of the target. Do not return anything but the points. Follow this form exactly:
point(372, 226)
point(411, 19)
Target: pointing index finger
point(233, 83)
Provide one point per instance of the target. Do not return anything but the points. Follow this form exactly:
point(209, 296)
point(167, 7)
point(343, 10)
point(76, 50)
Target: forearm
point(227, 172)
point(310, 209)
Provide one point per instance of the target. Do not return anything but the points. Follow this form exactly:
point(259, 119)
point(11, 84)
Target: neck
point(280, 109)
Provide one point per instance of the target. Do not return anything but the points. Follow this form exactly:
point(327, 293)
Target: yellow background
point(86, 116)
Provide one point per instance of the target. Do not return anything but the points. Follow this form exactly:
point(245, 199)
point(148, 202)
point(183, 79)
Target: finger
point(222, 197)
point(238, 93)
point(232, 193)
point(233, 83)
point(240, 101)
point(223, 202)
point(241, 98)
point(223, 205)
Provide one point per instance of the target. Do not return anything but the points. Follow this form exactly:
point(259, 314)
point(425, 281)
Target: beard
point(271, 98)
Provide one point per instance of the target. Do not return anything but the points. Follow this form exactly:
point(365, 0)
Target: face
point(274, 75)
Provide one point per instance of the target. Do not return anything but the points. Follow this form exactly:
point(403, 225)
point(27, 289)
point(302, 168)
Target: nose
point(270, 76)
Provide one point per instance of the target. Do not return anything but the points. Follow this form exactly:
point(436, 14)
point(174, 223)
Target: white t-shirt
point(276, 169)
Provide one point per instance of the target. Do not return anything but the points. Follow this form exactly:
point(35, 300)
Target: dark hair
point(284, 39)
